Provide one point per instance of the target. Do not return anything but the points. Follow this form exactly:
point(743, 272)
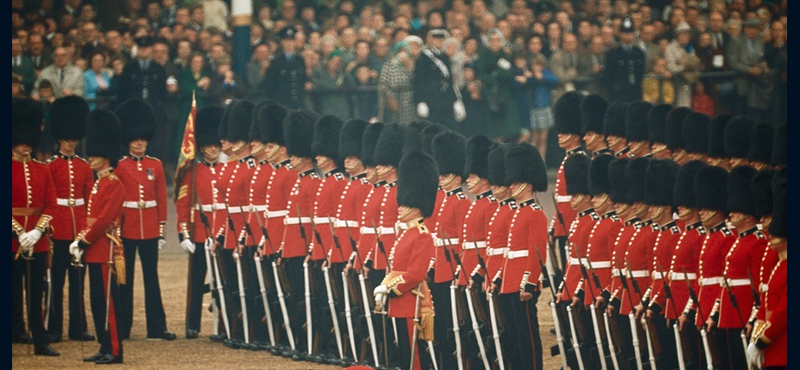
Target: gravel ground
point(201, 353)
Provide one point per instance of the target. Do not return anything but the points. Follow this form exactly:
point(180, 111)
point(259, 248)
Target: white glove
point(75, 250)
point(503, 64)
point(380, 293)
point(28, 239)
point(161, 242)
point(188, 246)
point(459, 111)
point(422, 110)
point(755, 356)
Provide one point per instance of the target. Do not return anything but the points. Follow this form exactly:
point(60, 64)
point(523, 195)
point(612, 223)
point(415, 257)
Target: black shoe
point(54, 338)
point(23, 338)
point(45, 350)
point(191, 334)
point(233, 343)
point(108, 359)
point(217, 337)
point(85, 337)
point(165, 335)
point(94, 357)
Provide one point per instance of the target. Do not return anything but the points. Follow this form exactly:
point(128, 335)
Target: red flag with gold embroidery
point(187, 153)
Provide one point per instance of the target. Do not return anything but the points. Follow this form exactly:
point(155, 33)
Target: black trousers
point(734, 350)
point(375, 279)
point(295, 301)
point(666, 337)
point(17, 317)
point(526, 346)
point(110, 339)
point(422, 358)
point(61, 265)
point(258, 319)
point(154, 308)
point(230, 283)
point(197, 288)
point(444, 342)
point(35, 295)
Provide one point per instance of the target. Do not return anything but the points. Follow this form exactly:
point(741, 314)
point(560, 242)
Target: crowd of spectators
point(360, 55)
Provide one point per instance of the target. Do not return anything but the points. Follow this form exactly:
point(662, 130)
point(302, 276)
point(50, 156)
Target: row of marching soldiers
point(676, 255)
point(334, 242)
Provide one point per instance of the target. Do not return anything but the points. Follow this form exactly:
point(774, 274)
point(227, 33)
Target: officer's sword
point(77, 264)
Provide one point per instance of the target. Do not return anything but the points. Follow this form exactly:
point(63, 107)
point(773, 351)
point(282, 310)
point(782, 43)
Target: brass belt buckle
point(71, 202)
point(140, 204)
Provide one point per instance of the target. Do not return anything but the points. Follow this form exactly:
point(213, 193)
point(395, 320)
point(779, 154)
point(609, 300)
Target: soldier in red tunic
point(614, 129)
point(73, 180)
point(636, 131)
point(567, 116)
point(742, 262)
point(193, 229)
point(762, 189)
point(98, 242)
point(144, 218)
point(593, 109)
point(298, 131)
point(711, 199)
point(769, 344)
point(519, 285)
point(33, 201)
point(409, 299)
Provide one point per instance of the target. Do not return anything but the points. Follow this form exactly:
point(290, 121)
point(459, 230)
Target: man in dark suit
point(625, 67)
point(285, 80)
point(745, 56)
point(143, 78)
point(22, 66)
point(433, 83)
point(37, 53)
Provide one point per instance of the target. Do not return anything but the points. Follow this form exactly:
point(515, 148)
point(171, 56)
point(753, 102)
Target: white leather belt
point(442, 242)
point(600, 264)
point(575, 261)
point(496, 251)
point(296, 220)
point(738, 282)
point(344, 223)
point(682, 276)
point(563, 198)
point(70, 202)
point(636, 273)
point(142, 204)
point(510, 255)
point(252, 208)
point(617, 272)
point(235, 210)
point(473, 245)
point(212, 207)
point(368, 230)
point(657, 275)
point(324, 220)
point(764, 288)
point(273, 214)
point(387, 230)
point(711, 281)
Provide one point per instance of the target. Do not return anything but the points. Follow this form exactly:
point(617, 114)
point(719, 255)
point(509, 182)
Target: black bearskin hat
point(350, 137)
point(26, 122)
point(635, 177)
point(660, 182)
point(779, 152)
point(256, 127)
point(711, 189)
point(137, 120)
point(716, 136)
point(695, 132)
point(240, 118)
point(614, 119)
point(478, 148)
point(103, 134)
point(270, 118)
point(389, 149)
point(740, 190)
point(673, 128)
point(657, 123)
point(449, 153)
point(525, 164)
point(576, 174)
point(205, 125)
point(497, 165)
point(684, 193)
point(222, 130)
point(417, 182)
point(298, 131)
point(593, 109)
point(761, 143)
point(777, 227)
point(636, 121)
point(567, 113)
point(598, 175)
point(412, 136)
point(762, 192)
point(326, 138)
point(68, 118)
point(616, 178)
point(427, 134)
point(737, 137)
point(369, 140)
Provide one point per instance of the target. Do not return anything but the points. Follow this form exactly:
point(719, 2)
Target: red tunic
point(370, 220)
point(237, 201)
point(685, 258)
point(449, 222)
point(618, 257)
point(440, 193)
point(742, 262)
point(712, 264)
point(279, 186)
point(73, 180)
point(145, 205)
point(639, 255)
point(579, 232)
point(410, 257)
point(205, 181)
point(663, 250)
point(599, 250)
point(497, 238)
point(103, 215)
point(257, 202)
point(348, 215)
point(327, 203)
point(526, 235)
point(301, 207)
point(473, 234)
point(768, 262)
point(31, 188)
point(387, 223)
point(562, 201)
point(221, 187)
point(776, 303)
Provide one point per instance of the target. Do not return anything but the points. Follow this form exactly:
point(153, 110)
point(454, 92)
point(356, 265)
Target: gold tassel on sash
point(118, 257)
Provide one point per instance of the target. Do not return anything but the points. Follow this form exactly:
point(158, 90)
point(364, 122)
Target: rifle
point(556, 266)
point(680, 340)
point(210, 269)
point(631, 318)
point(326, 275)
point(306, 285)
point(474, 315)
point(240, 274)
point(365, 301)
point(345, 292)
point(651, 341)
point(756, 300)
point(610, 335)
point(593, 309)
point(735, 305)
point(710, 352)
point(556, 320)
point(455, 312)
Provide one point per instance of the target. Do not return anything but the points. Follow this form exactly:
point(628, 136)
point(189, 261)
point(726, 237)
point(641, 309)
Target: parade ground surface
point(201, 353)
